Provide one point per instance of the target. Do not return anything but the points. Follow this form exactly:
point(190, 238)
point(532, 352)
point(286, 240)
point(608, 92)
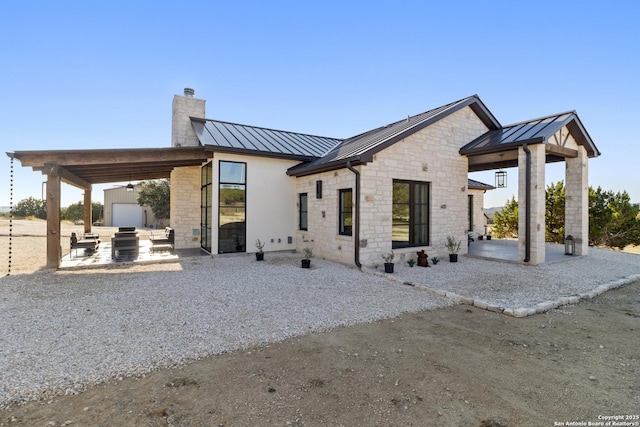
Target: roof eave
point(303, 170)
point(258, 153)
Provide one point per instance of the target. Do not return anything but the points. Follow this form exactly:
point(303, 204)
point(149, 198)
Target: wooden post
point(53, 220)
point(87, 210)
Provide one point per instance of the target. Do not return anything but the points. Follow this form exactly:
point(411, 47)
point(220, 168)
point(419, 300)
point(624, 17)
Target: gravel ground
point(65, 330)
point(62, 331)
point(515, 286)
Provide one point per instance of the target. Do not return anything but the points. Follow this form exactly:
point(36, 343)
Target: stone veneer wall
point(431, 155)
point(479, 220)
point(183, 107)
point(576, 213)
point(185, 206)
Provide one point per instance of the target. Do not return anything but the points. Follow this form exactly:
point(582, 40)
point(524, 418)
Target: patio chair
point(90, 245)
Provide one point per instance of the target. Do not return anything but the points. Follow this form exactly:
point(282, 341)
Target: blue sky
point(81, 75)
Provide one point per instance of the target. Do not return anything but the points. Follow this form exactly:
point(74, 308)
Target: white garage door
point(127, 215)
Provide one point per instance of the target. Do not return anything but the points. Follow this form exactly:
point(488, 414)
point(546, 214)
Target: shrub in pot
point(453, 246)
point(388, 262)
point(259, 252)
point(308, 254)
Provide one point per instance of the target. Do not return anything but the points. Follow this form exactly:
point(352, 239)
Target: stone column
point(53, 221)
point(538, 202)
point(576, 208)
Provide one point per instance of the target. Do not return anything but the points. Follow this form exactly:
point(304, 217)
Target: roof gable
point(361, 148)
point(535, 131)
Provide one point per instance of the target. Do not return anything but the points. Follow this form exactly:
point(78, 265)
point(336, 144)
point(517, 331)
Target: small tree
point(613, 220)
point(505, 221)
point(554, 213)
point(31, 207)
point(156, 194)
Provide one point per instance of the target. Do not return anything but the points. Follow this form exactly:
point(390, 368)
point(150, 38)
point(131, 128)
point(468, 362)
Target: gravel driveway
point(65, 330)
point(62, 331)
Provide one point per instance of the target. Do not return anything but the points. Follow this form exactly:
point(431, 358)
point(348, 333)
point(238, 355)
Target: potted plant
point(259, 252)
point(308, 254)
point(388, 262)
point(453, 246)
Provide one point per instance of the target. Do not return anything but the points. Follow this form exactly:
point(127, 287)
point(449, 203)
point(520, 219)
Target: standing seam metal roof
point(534, 131)
point(360, 148)
point(242, 138)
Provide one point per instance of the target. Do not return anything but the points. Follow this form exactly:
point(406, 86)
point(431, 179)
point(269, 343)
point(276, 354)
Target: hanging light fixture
point(129, 186)
point(501, 176)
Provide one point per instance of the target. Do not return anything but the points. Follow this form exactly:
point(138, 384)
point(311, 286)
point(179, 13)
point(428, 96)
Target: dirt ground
point(456, 366)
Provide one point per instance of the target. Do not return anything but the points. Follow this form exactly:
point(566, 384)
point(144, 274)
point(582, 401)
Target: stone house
point(401, 187)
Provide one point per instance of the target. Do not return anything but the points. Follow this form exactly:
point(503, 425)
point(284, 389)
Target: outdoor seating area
point(125, 243)
point(162, 241)
point(89, 243)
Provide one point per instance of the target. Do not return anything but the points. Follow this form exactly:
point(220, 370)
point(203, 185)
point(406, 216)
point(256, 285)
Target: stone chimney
point(183, 107)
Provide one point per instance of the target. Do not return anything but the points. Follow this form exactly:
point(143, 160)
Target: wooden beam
point(53, 221)
point(66, 176)
point(87, 211)
point(561, 151)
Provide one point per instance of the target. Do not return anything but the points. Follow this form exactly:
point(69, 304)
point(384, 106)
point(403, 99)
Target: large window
point(410, 214)
point(205, 207)
point(470, 199)
point(346, 212)
point(303, 213)
point(232, 207)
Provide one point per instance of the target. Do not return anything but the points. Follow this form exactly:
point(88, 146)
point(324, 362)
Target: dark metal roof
point(233, 137)
point(477, 185)
point(535, 131)
point(361, 148)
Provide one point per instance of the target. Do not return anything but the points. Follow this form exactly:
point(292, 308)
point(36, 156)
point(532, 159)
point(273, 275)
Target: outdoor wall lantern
point(569, 245)
point(129, 188)
point(501, 176)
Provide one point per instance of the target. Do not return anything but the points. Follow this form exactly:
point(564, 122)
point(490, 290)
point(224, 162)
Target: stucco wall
point(271, 214)
point(430, 155)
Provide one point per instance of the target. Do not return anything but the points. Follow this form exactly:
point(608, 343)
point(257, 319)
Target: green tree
point(75, 212)
point(554, 213)
point(613, 220)
point(30, 207)
point(156, 194)
point(505, 221)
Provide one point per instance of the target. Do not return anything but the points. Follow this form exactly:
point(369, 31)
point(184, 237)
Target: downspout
point(356, 243)
point(527, 213)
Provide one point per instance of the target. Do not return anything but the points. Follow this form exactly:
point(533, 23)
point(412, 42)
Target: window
point(346, 212)
point(232, 207)
point(410, 214)
point(302, 212)
point(470, 198)
point(205, 207)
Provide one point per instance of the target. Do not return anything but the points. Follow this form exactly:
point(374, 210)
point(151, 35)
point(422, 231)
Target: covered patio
point(507, 251)
point(83, 168)
point(529, 146)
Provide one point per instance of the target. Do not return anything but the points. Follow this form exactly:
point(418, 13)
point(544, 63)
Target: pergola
point(83, 168)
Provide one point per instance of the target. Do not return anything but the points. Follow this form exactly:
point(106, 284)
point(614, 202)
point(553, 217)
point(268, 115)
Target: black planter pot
point(453, 257)
point(388, 267)
point(488, 237)
point(306, 263)
point(259, 256)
